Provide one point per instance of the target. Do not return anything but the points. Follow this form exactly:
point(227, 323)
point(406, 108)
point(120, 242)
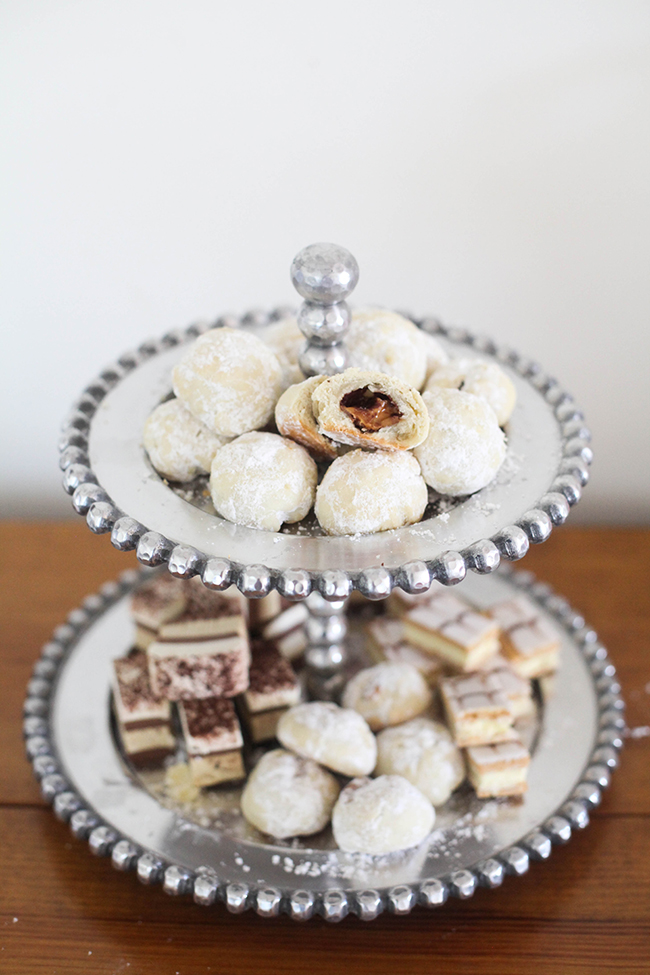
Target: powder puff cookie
point(484, 379)
point(386, 342)
point(465, 447)
point(285, 339)
point(365, 492)
point(229, 380)
point(335, 737)
point(288, 796)
point(369, 409)
point(422, 751)
point(387, 694)
point(263, 481)
point(179, 447)
point(294, 418)
point(381, 816)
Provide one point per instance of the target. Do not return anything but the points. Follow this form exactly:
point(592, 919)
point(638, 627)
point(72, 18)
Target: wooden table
point(585, 910)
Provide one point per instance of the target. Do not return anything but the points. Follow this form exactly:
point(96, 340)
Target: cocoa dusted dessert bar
point(213, 740)
point(273, 689)
point(155, 603)
point(143, 719)
point(204, 652)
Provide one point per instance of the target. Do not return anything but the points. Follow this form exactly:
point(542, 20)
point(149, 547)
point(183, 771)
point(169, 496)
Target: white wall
point(485, 160)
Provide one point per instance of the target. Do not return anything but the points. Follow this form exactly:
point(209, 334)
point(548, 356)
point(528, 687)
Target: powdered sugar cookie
point(387, 694)
point(263, 480)
point(294, 418)
point(484, 379)
point(370, 409)
point(287, 795)
point(285, 339)
point(364, 492)
point(383, 341)
point(422, 751)
point(335, 737)
point(179, 447)
point(465, 447)
point(381, 816)
point(229, 380)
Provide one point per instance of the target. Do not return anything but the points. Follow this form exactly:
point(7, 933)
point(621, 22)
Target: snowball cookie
point(230, 380)
point(381, 815)
point(285, 339)
point(333, 736)
point(263, 480)
point(369, 409)
point(424, 753)
point(387, 694)
point(294, 417)
point(179, 447)
point(484, 379)
point(365, 492)
point(384, 341)
point(288, 796)
point(465, 447)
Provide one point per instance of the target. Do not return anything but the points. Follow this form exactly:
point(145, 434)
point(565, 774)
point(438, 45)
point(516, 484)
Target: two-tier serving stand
point(69, 735)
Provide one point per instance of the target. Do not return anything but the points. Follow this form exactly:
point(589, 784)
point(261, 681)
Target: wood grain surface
point(586, 910)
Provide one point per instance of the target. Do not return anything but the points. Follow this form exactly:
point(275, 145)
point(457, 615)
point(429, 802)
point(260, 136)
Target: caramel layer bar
point(144, 720)
point(273, 688)
point(449, 628)
point(385, 641)
point(498, 770)
point(213, 740)
point(156, 602)
point(477, 709)
point(528, 642)
point(183, 670)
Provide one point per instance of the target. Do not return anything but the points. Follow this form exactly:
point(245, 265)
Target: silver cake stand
point(209, 851)
point(576, 738)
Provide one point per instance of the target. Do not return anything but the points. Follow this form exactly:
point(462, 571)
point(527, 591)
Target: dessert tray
point(207, 850)
point(114, 485)
point(204, 846)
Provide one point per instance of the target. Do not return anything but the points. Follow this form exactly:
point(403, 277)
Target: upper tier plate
point(113, 483)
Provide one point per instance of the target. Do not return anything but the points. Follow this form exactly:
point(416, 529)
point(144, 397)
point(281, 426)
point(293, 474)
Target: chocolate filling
point(370, 410)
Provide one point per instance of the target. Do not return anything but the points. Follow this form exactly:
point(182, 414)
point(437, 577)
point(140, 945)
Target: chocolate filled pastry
point(484, 379)
point(365, 492)
point(465, 446)
point(369, 409)
point(294, 418)
point(230, 381)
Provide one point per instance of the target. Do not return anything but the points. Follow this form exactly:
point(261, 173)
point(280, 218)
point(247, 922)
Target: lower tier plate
point(207, 849)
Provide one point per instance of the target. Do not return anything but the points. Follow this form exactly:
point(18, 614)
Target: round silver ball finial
point(324, 273)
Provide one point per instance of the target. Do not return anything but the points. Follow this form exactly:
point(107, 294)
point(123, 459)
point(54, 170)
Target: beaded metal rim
point(152, 548)
point(204, 885)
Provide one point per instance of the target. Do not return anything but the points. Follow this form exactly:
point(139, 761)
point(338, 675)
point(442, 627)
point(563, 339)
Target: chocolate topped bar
point(183, 670)
point(528, 642)
point(213, 740)
point(205, 614)
point(154, 603)
point(273, 688)
point(144, 720)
